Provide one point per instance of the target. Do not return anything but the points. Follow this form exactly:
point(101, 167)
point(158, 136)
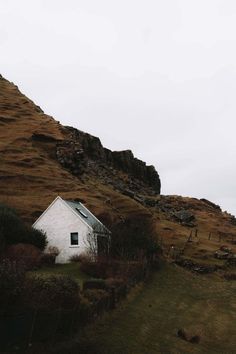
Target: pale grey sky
point(157, 77)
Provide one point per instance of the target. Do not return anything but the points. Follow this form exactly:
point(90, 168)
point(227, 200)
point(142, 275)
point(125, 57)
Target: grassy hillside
point(149, 321)
point(31, 177)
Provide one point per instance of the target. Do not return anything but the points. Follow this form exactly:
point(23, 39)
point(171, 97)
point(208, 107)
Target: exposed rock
point(184, 216)
point(195, 267)
point(182, 334)
point(150, 202)
point(129, 193)
point(210, 204)
point(195, 339)
point(221, 255)
point(82, 149)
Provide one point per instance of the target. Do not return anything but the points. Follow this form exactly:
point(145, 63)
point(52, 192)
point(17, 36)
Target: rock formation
point(83, 153)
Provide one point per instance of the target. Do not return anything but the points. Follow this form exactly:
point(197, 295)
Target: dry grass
point(31, 177)
point(148, 322)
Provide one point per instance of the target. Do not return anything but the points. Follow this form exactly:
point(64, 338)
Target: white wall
point(58, 222)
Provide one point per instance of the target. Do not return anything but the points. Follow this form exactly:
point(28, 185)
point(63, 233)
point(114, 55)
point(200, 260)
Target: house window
point(74, 238)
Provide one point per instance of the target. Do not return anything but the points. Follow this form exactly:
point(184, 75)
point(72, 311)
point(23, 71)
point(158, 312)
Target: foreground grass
point(71, 269)
point(148, 322)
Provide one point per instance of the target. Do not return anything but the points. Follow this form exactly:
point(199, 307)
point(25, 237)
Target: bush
point(75, 258)
point(13, 230)
point(81, 258)
point(85, 311)
point(114, 282)
point(48, 258)
point(35, 237)
point(52, 292)
point(12, 277)
point(95, 295)
point(134, 239)
point(94, 284)
point(95, 269)
point(29, 255)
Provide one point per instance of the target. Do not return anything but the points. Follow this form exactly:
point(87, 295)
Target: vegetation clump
point(52, 292)
point(12, 278)
point(13, 231)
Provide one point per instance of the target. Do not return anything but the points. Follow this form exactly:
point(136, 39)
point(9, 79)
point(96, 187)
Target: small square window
point(74, 238)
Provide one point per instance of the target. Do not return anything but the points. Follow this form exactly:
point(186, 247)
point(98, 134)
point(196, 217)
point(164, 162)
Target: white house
point(72, 228)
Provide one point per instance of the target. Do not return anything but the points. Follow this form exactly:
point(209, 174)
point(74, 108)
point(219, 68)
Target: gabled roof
point(83, 213)
point(87, 216)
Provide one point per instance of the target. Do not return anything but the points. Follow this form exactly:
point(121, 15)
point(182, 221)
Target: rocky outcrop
point(196, 267)
point(210, 204)
point(83, 152)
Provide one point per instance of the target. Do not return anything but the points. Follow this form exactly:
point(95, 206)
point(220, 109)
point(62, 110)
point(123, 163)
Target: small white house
point(72, 228)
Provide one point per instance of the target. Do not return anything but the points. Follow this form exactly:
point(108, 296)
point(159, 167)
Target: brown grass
point(31, 177)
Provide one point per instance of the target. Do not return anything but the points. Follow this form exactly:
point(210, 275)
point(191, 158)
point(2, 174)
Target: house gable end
point(67, 206)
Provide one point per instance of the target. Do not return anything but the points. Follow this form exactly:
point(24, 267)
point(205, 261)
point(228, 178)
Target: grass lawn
point(71, 269)
point(148, 322)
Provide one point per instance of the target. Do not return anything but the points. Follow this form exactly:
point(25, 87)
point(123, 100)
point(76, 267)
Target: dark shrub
point(134, 239)
point(12, 277)
point(11, 226)
point(52, 292)
point(114, 282)
point(36, 238)
point(95, 295)
point(13, 230)
point(28, 254)
point(96, 269)
point(100, 300)
point(81, 258)
point(75, 258)
point(94, 284)
point(85, 311)
point(49, 257)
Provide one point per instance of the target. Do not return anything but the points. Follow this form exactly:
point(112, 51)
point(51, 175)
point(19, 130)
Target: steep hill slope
point(40, 158)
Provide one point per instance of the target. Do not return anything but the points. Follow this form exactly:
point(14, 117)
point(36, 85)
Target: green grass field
point(148, 321)
point(71, 269)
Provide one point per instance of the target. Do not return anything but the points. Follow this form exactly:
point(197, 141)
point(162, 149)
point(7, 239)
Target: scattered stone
point(129, 193)
point(195, 267)
point(195, 339)
point(210, 204)
point(221, 255)
point(182, 334)
point(225, 249)
point(185, 217)
point(150, 202)
point(138, 199)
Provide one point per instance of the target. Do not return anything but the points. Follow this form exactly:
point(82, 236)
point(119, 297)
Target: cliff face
point(83, 153)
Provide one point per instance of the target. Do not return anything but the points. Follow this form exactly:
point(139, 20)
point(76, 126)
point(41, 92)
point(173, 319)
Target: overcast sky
point(154, 76)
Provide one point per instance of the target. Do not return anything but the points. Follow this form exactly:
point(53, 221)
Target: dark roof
point(87, 216)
